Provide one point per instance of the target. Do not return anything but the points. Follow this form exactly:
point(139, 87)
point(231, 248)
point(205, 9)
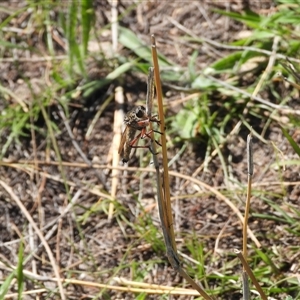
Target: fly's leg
point(150, 149)
point(145, 123)
point(145, 134)
point(131, 144)
point(134, 141)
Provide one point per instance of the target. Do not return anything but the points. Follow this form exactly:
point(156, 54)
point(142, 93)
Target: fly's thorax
point(137, 118)
point(135, 115)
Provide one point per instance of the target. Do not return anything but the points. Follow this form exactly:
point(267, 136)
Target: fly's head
point(134, 117)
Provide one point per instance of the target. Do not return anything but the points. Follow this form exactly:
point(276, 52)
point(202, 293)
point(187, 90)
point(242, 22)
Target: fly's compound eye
point(140, 111)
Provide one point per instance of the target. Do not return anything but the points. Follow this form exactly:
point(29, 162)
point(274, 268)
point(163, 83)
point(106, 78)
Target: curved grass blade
point(128, 39)
point(6, 284)
point(291, 141)
point(90, 87)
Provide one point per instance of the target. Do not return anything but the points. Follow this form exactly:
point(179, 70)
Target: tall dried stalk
point(163, 185)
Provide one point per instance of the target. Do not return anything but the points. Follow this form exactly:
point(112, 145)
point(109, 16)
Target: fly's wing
point(123, 140)
point(126, 143)
point(150, 92)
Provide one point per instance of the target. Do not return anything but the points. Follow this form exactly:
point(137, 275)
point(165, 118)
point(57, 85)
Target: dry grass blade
point(100, 175)
point(247, 209)
point(31, 292)
point(246, 290)
point(129, 286)
point(163, 187)
point(4, 91)
point(291, 69)
point(97, 117)
point(221, 197)
point(40, 235)
point(166, 183)
point(168, 231)
point(23, 165)
point(245, 282)
point(250, 274)
point(118, 117)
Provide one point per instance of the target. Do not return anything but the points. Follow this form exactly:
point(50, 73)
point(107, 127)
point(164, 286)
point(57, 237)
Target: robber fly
point(135, 120)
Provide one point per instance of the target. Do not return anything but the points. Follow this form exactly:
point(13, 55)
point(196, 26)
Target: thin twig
point(264, 76)
point(250, 274)
point(114, 25)
point(46, 227)
point(99, 175)
point(26, 164)
point(54, 224)
point(97, 116)
point(229, 47)
point(119, 113)
point(118, 117)
point(247, 208)
point(40, 235)
point(33, 59)
point(129, 286)
point(245, 282)
point(96, 191)
point(14, 96)
point(256, 98)
point(221, 197)
point(246, 290)
point(253, 96)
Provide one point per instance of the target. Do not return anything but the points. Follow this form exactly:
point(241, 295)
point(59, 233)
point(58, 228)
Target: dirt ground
point(85, 243)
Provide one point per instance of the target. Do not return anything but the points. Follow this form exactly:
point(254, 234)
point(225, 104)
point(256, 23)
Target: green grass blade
point(132, 42)
point(87, 16)
point(6, 284)
point(20, 275)
point(267, 259)
point(250, 18)
point(90, 87)
point(74, 51)
point(13, 45)
point(291, 141)
point(12, 15)
point(203, 83)
point(192, 64)
point(231, 62)
point(228, 62)
point(289, 162)
point(70, 26)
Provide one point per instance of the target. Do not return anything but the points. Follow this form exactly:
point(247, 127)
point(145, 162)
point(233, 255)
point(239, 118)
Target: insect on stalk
point(135, 120)
point(138, 119)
